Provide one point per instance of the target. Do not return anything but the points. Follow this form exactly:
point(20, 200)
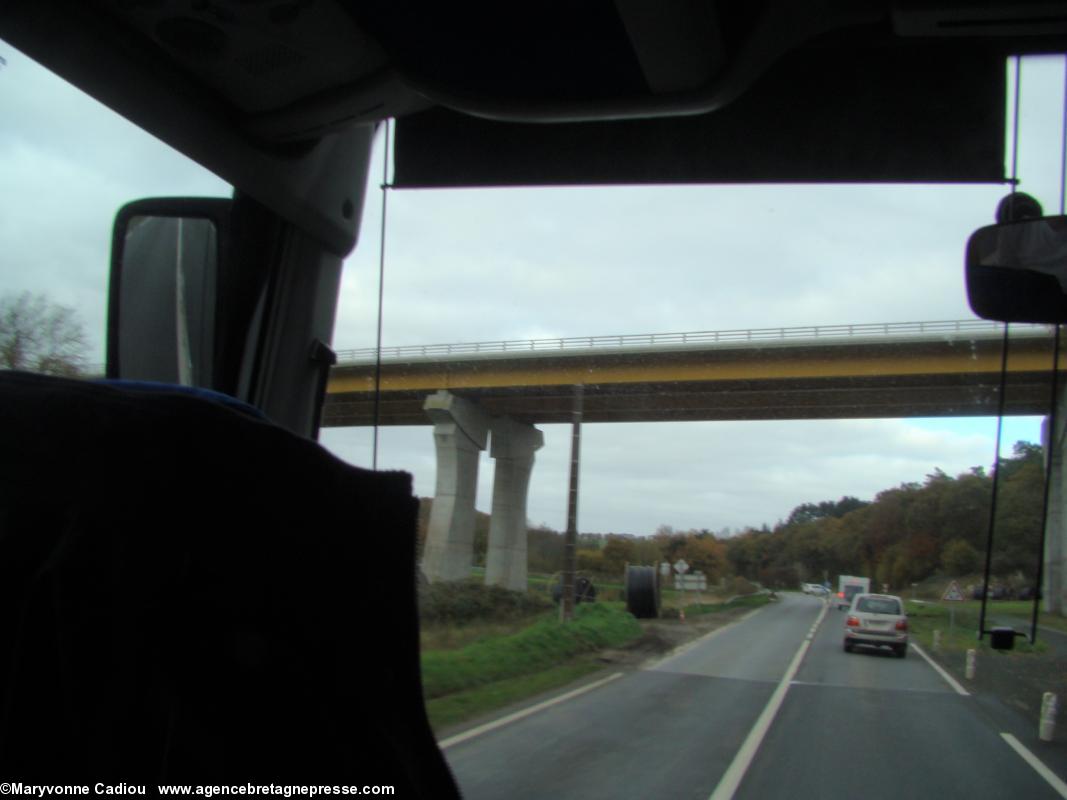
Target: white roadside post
point(1047, 726)
point(937, 640)
point(681, 567)
point(972, 658)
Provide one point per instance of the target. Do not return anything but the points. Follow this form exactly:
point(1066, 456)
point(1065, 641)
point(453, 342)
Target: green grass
point(473, 669)
point(925, 618)
point(459, 706)
point(453, 637)
point(695, 609)
point(546, 644)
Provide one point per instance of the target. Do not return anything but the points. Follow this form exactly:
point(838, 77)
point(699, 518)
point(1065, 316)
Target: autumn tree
point(809, 512)
point(38, 335)
point(646, 551)
point(1017, 535)
point(705, 554)
point(617, 553)
point(544, 548)
point(960, 558)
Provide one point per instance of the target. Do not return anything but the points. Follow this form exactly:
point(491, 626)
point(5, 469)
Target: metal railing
point(669, 340)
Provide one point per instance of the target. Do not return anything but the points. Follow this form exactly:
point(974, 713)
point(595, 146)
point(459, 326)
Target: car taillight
point(902, 624)
point(852, 622)
point(841, 595)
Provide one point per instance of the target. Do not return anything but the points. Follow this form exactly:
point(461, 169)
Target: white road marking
point(731, 779)
point(1050, 777)
point(685, 648)
point(526, 712)
point(948, 678)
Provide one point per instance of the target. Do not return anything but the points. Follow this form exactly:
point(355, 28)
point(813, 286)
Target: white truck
point(848, 586)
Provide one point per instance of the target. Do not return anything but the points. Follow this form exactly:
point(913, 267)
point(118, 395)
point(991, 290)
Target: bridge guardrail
point(808, 332)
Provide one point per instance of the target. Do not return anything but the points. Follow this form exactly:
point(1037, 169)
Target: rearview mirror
point(1017, 271)
point(165, 263)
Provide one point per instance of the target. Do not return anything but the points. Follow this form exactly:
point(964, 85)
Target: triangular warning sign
point(952, 592)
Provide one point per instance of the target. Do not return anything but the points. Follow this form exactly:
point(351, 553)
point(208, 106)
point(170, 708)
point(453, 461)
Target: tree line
point(903, 536)
point(38, 335)
point(909, 533)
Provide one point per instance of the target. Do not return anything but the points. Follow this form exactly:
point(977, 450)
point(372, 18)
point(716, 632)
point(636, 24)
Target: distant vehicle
point(998, 592)
point(848, 586)
point(877, 620)
point(816, 589)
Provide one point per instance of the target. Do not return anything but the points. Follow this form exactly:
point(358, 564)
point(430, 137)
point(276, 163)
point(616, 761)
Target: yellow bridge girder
point(909, 376)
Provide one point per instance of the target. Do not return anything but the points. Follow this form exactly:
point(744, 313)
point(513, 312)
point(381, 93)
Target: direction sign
point(680, 566)
point(953, 592)
point(697, 582)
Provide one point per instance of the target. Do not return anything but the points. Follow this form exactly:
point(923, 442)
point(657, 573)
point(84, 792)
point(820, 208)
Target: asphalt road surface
point(768, 707)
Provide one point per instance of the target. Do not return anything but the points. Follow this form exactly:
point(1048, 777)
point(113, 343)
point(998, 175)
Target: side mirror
point(166, 258)
point(1017, 271)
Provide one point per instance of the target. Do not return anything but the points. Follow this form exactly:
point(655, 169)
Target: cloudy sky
point(478, 265)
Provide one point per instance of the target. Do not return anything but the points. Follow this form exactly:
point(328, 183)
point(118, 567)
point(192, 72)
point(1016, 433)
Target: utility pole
point(570, 539)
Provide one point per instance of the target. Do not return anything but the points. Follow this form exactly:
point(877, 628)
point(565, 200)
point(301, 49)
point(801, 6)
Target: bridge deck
point(955, 373)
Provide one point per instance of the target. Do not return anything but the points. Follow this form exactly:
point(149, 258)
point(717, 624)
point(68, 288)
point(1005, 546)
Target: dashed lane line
point(735, 773)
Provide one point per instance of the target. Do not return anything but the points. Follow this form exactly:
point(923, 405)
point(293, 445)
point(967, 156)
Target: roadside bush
point(741, 585)
point(462, 602)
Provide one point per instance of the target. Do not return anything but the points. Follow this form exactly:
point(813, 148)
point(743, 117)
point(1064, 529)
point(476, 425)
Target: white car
point(877, 620)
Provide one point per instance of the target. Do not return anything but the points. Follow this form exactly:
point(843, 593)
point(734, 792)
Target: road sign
point(697, 582)
point(680, 566)
point(953, 592)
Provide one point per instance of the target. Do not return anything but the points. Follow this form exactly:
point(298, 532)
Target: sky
point(481, 265)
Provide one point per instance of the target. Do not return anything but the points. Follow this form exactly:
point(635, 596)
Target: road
point(755, 711)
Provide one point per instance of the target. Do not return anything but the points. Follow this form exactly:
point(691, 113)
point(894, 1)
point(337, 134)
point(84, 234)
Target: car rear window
point(878, 605)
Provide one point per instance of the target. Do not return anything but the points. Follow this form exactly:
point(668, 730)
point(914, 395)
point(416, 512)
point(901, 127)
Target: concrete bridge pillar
point(460, 432)
point(1055, 590)
point(513, 446)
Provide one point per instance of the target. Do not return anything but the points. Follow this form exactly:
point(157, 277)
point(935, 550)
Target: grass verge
point(455, 708)
point(695, 609)
point(958, 626)
point(495, 671)
point(544, 644)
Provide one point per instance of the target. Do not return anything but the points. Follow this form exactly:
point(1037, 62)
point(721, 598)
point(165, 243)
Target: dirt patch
point(661, 636)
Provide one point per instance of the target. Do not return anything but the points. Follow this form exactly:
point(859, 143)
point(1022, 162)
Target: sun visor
point(914, 114)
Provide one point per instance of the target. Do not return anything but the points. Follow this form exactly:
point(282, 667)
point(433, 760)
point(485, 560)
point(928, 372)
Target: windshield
point(758, 501)
point(878, 605)
point(732, 395)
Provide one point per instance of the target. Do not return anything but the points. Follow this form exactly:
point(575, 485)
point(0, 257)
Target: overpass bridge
point(911, 369)
point(474, 392)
